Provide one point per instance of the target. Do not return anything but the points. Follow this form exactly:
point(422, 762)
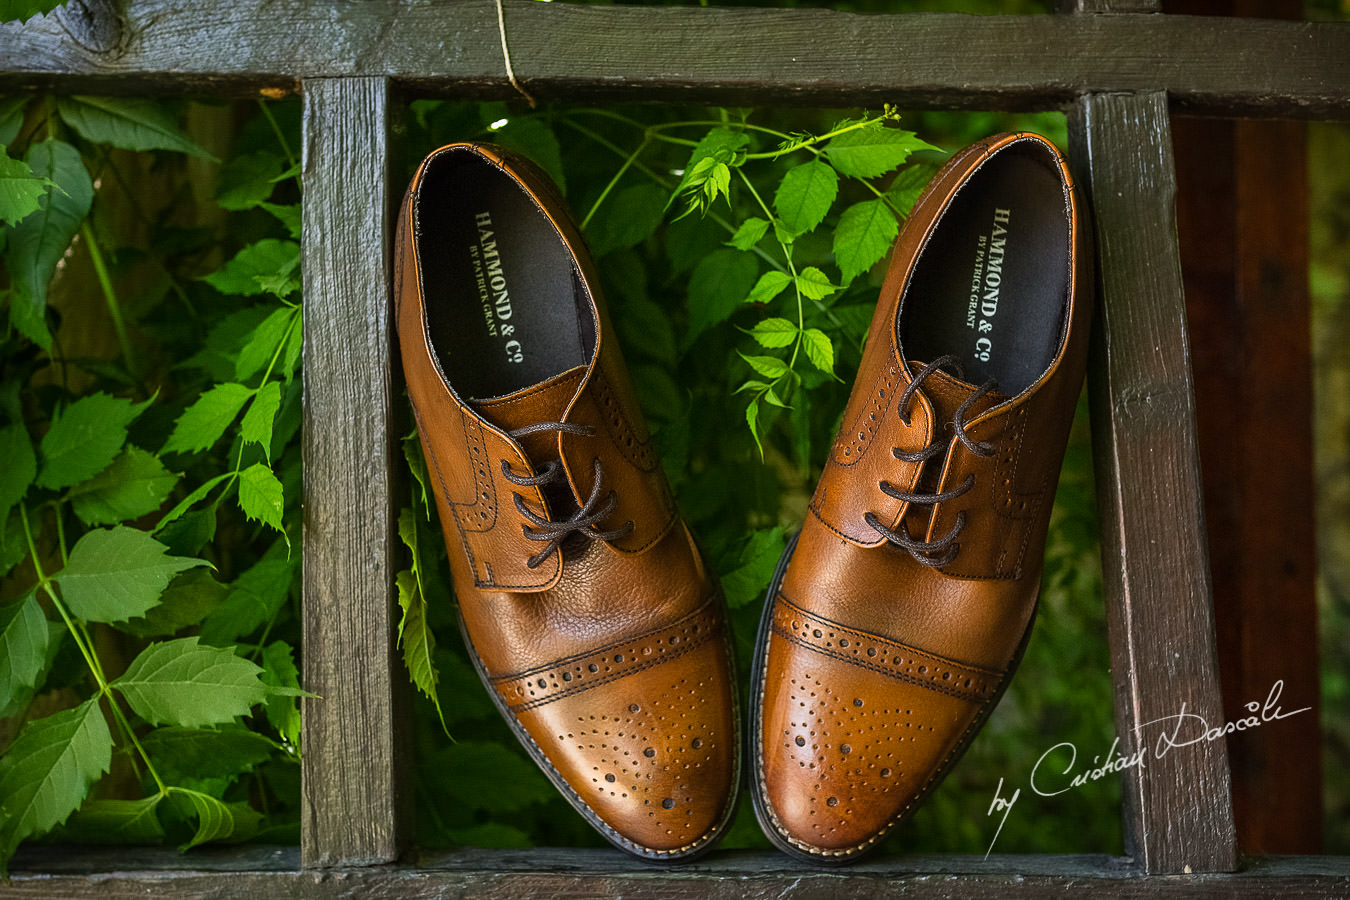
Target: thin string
point(506, 55)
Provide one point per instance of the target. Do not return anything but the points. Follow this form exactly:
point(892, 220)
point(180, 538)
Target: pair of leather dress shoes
point(896, 615)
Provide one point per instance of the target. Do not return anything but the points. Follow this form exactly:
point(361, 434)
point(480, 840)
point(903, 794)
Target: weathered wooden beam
point(352, 771)
point(1178, 809)
point(685, 53)
point(543, 873)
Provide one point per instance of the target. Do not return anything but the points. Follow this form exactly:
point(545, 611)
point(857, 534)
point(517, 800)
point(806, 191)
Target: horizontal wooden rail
point(522, 875)
point(1204, 64)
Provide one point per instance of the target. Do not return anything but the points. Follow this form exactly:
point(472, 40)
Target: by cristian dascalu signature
point(1057, 771)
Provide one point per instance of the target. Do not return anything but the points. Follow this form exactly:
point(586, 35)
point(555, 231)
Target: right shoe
point(587, 609)
point(900, 611)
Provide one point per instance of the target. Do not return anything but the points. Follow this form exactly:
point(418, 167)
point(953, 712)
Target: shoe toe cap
point(846, 751)
point(652, 755)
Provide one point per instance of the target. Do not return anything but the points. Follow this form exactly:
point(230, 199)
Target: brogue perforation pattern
point(481, 514)
point(880, 655)
point(638, 452)
point(850, 750)
point(565, 677)
point(648, 756)
point(870, 419)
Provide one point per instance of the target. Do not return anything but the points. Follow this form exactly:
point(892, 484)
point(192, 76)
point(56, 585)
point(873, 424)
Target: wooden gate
point(1118, 67)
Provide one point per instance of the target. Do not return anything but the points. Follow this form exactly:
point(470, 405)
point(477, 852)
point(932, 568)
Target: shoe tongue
point(947, 392)
point(542, 402)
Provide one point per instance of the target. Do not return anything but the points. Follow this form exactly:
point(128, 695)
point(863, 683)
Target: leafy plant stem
point(86, 647)
point(654, 176)
point(281, 137)
point(792, 270)
point(110, 295)
point(792, 143)
point(632, 157)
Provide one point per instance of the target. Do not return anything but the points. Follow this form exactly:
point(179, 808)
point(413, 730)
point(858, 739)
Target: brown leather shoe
point(586, 605)
point(898, 614)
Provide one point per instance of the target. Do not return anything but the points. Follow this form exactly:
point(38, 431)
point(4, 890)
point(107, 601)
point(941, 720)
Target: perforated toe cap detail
point(845, 750)
point(653, 751)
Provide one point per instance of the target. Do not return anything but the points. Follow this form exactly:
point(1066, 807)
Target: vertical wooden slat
point(1243, 221)
point(1178, 808)
point(351, 770)
point(1243, 217)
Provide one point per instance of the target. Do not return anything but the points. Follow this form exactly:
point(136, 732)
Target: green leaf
point(288, 215)
point(19, 468)
point(819, 349)
point(39, 242)
point(23, 647)
point(13, 545)
point(805, 195)
point(873, 150)
point(255, 268)
point(626, 219)
point(534, 139)
point(754, 567)
point(180, 682)
point(417, 465)
point(295, 342)
point(117, 574)
point(260, 496)
point(248, 180)
point(85, 438)
point(279, 671)
point(516, 783)
point(865, 233)
point(187, 753)
point(23, 10)
point(46, 773)
point(414, 634)
point(216, 820)
point(202, 423)
point(770, 285)
point(11, 115)
point(264, 343)
point(908, 184)
point(774, 333)
point(254, 599)
point(749, 234)
point(135, 484)
point(21, 191)
point(768, 366)
point(187, 600)
point(813, 283)
point(720, 145)
point(752, 420)
point(256, 427)
point(717, 286)
point(116, 822)
point(129, 123)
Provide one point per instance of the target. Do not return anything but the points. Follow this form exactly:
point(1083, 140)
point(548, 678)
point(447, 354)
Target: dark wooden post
point(1178, 808)
point(351, 768)
point(1243, 221)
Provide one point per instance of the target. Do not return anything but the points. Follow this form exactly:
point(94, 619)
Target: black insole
point(504, 304)
point(991, 285)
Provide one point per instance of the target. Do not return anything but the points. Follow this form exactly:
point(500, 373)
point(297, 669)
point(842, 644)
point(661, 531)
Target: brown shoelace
point(584, 520)
point(944, 547)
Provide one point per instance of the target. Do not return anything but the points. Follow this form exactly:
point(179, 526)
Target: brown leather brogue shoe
point(897, 615)
point(590, 616)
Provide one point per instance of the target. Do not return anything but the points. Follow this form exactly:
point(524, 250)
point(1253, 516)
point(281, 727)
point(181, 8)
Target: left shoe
point(585, 605)
point(899, 612)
